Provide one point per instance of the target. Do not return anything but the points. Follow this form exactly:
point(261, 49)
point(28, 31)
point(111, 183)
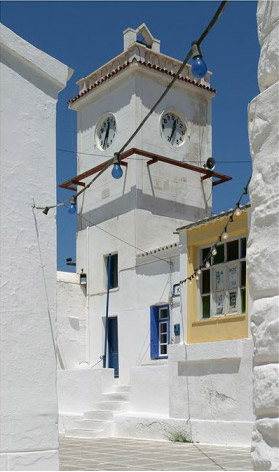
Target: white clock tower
point(142, 210)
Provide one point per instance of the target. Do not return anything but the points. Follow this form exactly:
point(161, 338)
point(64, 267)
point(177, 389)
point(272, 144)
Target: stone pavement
point(138, 454)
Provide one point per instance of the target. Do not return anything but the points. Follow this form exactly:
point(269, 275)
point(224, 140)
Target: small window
point(113, 279)
point(159, 331)
point(232, 250)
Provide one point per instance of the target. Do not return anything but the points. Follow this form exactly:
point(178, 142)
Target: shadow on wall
point(153, 266)
point(208, 367)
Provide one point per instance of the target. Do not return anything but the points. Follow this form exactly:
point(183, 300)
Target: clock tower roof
point(142, 49)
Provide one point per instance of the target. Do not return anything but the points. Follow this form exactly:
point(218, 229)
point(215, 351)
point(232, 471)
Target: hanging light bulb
point(207, 264)
point(117, 171)
point(199, 271)
point(225, 234)
point(190, 280)
point(237, 211)
point(199, 67)
point(214, 251)
point(73, 206)
point(196, 276)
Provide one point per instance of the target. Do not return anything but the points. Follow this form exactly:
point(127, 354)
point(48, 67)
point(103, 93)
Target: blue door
point(113, 345)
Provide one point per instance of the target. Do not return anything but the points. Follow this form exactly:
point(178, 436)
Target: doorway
point(113, 345)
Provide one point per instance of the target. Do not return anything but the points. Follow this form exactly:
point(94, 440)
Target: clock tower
point(142, 210)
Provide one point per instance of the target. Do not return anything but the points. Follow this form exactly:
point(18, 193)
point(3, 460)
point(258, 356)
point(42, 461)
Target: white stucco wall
point(71, 320)
point(263, 247)
point(30, 82)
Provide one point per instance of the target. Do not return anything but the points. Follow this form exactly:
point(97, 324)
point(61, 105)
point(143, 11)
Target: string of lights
point(199, 69)
point(222, 237)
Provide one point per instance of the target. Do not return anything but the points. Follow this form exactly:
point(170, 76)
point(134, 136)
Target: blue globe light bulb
point(199, 67)
point(117, 171)
point(73, 209)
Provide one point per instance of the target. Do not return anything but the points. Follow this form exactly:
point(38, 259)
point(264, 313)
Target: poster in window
point(220, 304)
point(232, 296)
point(219, 280)
point(232, 277)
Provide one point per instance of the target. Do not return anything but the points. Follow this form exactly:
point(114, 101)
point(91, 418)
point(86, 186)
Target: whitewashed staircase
point(98, 423)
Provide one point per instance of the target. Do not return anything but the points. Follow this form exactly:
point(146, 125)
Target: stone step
point(121, 388)
point(92, 425)
point(112, 406)
point(83, 433)
point(116, 397)
point(99, 415)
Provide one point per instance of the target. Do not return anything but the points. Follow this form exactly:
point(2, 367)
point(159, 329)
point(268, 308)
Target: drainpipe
point(107, 309)
point(87, 299)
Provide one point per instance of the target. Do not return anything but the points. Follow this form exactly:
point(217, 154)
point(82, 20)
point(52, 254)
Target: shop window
point(223, 285)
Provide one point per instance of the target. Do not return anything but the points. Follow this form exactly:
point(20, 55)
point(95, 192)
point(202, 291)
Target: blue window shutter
point(154, 332)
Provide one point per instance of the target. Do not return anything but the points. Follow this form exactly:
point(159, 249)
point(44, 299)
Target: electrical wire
point(144, 158)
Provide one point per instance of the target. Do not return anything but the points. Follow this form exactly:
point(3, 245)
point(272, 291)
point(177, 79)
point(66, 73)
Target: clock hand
point(173, 129)
point(106, 136)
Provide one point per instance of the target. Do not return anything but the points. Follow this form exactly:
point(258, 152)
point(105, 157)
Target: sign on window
point(219, 280)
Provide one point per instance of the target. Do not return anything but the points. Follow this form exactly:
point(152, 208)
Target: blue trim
point(154, 330)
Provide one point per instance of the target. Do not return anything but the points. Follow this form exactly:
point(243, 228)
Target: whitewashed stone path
point(132, 454)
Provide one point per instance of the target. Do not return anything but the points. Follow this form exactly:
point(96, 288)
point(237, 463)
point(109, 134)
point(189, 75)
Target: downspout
point(87, 299)
point(107, 309)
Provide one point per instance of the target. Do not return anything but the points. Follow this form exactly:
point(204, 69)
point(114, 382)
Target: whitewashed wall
point(30, 82)
point(71, 320)
point(263, 248)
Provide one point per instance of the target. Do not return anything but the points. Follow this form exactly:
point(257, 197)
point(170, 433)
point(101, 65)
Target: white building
point(30, 83)
point(141, 211)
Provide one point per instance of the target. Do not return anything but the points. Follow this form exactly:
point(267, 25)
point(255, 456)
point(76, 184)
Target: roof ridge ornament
point(130, 37)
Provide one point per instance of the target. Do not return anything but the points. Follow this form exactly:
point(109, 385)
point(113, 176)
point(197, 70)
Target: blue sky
point(85, 35)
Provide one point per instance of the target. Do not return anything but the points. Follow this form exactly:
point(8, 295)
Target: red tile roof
point(119, 68)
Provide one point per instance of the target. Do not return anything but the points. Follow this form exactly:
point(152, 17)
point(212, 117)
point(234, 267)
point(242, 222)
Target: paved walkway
point(137, 454)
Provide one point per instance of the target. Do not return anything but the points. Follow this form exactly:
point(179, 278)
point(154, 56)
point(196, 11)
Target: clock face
point(106, 132)
point(173, 129)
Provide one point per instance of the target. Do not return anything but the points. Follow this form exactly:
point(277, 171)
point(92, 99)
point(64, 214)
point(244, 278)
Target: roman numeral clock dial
point(173, 129)
point(106, 131)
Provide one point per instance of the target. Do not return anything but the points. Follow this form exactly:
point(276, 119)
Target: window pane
point(163, 313)
point(232, 301)
point(206, 306)
point(163, 327)
point(243, 274)
point(220, 256)
point(163, 338)
point(233, 277)
point(242, 248)
point(243, 300)
point(232, 250)
point(219, 279)
point(220, 298)
point(113, 279)
point(163, 349)
point(205, 251)
point(205, 281)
